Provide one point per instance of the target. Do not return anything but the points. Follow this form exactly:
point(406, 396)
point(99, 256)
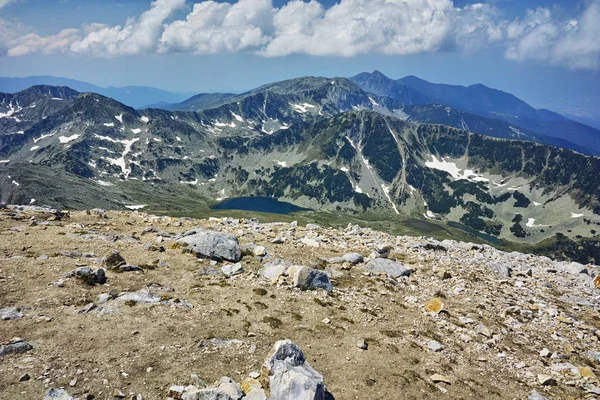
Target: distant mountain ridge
point(481, 100)
point(133, 96)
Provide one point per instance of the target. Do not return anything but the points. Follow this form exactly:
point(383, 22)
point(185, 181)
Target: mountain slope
point(379, 84)
point(328, 148)
point(492, 103)
point(134, 96)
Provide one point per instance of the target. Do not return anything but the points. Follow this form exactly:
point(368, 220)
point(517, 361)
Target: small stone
point(545, 353)
point(326, 321)
point(586, 372)
point(254, 375)
point(536, 396)
point(435, 305)
point(362, 344)
point(117, 394)
point(484, 330)
point(565, 320)
point(113, 260)
point(437, 378)
point(232, 269)
point(546, 380)
point(73, 382)
point(24, 378)
point(435, 346)
point(259, 251)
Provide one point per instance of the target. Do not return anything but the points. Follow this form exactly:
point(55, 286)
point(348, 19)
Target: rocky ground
point(111, 305)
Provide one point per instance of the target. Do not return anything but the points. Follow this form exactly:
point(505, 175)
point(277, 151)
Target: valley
point(323, 144)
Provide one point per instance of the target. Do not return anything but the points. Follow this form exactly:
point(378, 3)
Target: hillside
point(323, 144)
point(425, 317)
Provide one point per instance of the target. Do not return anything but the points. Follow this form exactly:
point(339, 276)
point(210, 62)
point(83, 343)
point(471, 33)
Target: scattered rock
point(437, 378)
point(435, 305)
point(379, 266)
point(232, 269)
point(259, 251)
point(546, 380)
point(57, 394)
point(307, 278)
point(214, 245)
point(15, 346)
point(536, 396)
point(273, 270)
point(129, 268)
point(362, 344)
point(11, 313)
point(24, 378)
point(287, 375)
point(435, 346)
point(89, 276)
point(113, 260)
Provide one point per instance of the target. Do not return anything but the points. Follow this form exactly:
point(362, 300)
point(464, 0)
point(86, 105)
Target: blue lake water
point(261, 204)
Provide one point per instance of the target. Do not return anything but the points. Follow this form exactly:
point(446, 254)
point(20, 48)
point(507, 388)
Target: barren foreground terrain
point(496, 325)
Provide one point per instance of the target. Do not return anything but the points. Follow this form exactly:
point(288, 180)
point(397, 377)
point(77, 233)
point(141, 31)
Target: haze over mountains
point(365, 146)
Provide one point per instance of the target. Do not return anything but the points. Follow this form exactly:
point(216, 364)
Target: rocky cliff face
point(107, 302)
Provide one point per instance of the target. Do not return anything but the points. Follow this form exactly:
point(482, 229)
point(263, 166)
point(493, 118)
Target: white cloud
point(348, 28)
point(574, 43)
point(4, 2)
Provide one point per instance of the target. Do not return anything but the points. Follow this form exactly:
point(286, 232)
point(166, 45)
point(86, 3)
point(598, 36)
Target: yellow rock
point(436, 305)
point(586, 372)
point(250, 383)
point(597, 281)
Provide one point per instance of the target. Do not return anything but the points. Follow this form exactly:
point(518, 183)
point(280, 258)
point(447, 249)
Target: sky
point(546, 52)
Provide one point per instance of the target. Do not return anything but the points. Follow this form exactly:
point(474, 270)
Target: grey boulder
point(306, 278)
point(11, 313)
point(214, 245)
point(501, 268)
point(16, 346)
point(57, 394)
point(289, 377)
point(390, 268)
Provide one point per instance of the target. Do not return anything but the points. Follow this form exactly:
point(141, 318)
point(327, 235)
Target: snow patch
point(16, 183)
point(573, 215)
point(31, 201)
point(221, 124)
point(110, 125)
point(136, 207)
point(345, 169)
point(238, 117)
point(119, 118)
point(178, 138)
point(373, 102)
point(194, 182)
point(34, 148)
point(67, 139)
point(145, 119)
point(121, 160)
point(535, 203)
point(223, 196)
point(281, 163)
point(454, 171)
point(4, 162)
point(302, 108)
point(43, 137)
point(136, 130)
point(104, 183)
point(386, 191)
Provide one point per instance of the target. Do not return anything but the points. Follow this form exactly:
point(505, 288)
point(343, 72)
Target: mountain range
point(133, 96)
point(366, 147)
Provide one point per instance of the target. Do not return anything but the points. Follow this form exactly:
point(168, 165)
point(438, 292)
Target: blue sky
point(544, 51)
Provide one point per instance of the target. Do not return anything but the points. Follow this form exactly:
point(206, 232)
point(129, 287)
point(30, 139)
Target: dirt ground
point(144, 349)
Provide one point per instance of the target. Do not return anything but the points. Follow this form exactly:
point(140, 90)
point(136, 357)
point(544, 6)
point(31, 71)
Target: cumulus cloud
point(574, 43)
point(348, 28)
